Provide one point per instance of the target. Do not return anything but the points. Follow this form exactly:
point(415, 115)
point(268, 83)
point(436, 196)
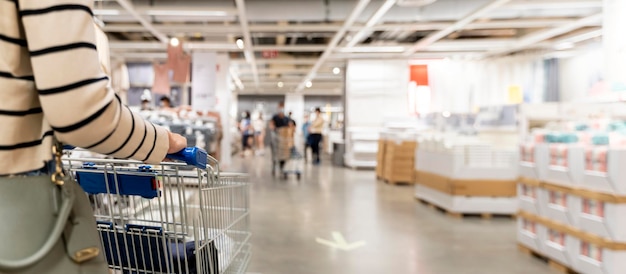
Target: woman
point(315, 135)
point(52, 87)
point(247, 131)
point(259, 133)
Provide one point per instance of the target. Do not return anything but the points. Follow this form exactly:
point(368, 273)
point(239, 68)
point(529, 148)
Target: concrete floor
point(400, 234)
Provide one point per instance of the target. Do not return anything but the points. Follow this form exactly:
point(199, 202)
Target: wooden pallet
point(460, 215)
point(392, 182)
point(552, 263)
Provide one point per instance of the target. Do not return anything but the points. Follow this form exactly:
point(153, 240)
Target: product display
point(464, 175)
point(572, 197)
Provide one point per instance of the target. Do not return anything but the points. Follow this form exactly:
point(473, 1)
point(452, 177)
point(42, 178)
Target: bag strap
point(55, 235)
point(67, 197)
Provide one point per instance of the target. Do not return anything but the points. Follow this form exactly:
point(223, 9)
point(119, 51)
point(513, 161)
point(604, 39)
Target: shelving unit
point(361, 147)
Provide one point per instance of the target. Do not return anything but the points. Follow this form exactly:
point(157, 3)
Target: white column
point(203, 83)
point(614, 42)
point(223, 105)
point(295, 103)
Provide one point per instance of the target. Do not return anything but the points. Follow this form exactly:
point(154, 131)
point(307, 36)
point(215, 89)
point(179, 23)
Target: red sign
point(269, 54)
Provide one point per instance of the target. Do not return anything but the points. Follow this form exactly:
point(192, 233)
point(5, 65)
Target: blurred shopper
point(53, 89)
point(259, 133)
point(278, 122)
point(166, 103)
point(305, 133)
point(279, 119)
point(247, 131)
point(315, 135)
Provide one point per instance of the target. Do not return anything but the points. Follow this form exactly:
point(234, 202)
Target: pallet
point(552, 263)
point(391, 182)
point(460, 215)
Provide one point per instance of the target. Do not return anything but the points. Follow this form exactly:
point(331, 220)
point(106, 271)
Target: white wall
point(578, 74)
point(375, 89)
point(462, 85)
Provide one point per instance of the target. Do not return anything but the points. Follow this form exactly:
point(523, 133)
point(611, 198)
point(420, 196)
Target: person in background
point(166, 103)
point(146, 105)
point(247, 131)
point(279, 120)
point(259, 133)
point(315, 135)
point(54, 88)
point(305, 133)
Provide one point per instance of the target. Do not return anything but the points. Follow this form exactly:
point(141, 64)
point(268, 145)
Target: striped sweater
point(51, 84)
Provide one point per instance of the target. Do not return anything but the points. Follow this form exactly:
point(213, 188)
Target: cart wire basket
point(168, 218)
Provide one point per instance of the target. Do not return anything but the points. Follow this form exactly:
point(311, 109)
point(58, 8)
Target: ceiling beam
point(553, 4)
point(460, 24)
point(128, 6)
point(358, 8)
point(306, 28)
point(536, 37)
point(373, 20)
point(247, 38)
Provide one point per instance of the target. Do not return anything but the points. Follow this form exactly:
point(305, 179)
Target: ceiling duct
point(415, 3)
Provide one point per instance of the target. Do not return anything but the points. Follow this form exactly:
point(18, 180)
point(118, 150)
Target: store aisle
point(401, 236)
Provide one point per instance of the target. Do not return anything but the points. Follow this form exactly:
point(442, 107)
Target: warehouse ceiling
point(302, 46)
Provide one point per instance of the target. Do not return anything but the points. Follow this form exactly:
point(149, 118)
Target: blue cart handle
point(194, 156)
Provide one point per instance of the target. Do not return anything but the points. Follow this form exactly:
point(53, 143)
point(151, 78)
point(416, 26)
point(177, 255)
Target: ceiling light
point(174, 42)
point(280, 84)
point(373, 49)
point(240, 43)
point(336, 70)
point(186, 13)
point(446, 114)
point(308, 84)
point(105, 12)
point(564, 45)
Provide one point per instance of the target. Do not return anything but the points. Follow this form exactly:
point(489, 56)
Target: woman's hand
point(177, 143)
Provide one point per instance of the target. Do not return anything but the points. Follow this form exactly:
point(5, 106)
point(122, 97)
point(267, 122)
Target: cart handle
point(195, 156)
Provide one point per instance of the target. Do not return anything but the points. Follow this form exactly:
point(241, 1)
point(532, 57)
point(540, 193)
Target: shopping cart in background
point(284, 151)
point(168, 218)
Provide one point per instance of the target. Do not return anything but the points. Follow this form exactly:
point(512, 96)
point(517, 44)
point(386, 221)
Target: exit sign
point(268, 54)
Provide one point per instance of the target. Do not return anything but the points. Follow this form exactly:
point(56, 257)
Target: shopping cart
point(285, 158)
point(167, 218)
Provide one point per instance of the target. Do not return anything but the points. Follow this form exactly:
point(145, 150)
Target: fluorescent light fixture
point(308, 84)
point(105, 12)
point(186, 13)
point(240, 43)
point(564, 45)
point(280, 84)
point(336, 70)
point(371, 22)
point(380, 12)
point(174, 42)
point(248, 57)
point(372, 49)
point(235, 76)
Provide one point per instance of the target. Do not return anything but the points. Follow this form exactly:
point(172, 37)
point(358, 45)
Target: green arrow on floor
point(340, 242)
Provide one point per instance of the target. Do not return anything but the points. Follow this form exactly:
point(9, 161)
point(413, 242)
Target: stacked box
point(528, 193)
point(399, 161)
point(605, 170)
point(566, 166)
point(380, 158)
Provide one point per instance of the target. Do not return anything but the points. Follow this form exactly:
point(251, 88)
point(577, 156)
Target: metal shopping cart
point(285, 158)
point(167, 218)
